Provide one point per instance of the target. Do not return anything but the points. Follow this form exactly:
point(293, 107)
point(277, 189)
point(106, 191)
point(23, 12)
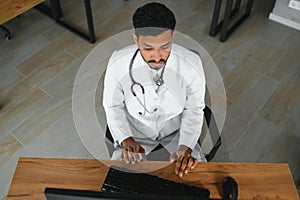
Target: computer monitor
point(67, 194)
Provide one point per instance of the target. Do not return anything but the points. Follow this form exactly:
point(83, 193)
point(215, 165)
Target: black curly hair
point(153, 19)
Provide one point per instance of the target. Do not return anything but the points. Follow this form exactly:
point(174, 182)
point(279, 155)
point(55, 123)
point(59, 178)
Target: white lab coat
point(179, 102)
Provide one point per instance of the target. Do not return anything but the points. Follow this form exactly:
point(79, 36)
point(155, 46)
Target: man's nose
point(156, 55)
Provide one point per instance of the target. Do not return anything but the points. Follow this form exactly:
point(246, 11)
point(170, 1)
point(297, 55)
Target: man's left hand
point(185, 161)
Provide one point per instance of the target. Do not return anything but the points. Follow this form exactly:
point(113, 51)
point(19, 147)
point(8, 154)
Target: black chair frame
point(223, 25)
point(6, 32)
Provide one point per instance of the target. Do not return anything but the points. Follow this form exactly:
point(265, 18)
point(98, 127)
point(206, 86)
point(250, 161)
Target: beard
point(155, 64)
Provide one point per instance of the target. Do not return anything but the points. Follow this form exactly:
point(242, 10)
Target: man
point(154, 93)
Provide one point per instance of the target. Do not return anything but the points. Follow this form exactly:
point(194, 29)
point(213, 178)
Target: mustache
point(153, 61)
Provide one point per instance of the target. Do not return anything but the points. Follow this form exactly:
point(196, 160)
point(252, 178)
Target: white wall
point(282, 13)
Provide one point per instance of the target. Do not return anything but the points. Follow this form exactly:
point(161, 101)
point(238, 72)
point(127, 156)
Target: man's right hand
point(133, 151)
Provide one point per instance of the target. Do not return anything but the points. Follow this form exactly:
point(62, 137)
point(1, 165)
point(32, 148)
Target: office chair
point(213, 131)
point(7, 33)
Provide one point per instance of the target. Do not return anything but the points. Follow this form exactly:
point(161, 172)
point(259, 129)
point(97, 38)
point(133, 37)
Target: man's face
point(155, 49)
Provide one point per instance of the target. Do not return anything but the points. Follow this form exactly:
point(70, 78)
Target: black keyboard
point(120, 181)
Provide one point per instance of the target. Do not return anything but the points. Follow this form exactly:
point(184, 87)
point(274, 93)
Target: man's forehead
point(150, 40)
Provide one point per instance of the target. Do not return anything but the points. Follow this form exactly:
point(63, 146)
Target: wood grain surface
point(12, 8)
point(255, 180)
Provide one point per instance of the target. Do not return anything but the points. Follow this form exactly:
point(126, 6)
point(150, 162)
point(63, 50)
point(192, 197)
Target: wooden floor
point(259, 64)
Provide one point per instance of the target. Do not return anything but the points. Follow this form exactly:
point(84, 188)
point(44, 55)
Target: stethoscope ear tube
point(131, 76)
point(130, 71)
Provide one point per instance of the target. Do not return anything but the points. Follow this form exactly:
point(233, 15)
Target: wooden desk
point(256, 181)
point(54, 11)
point(12, 8)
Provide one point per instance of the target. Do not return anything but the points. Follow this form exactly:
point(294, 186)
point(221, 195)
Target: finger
point(189, 165)
point(173, 157)
point(125, 157)
point(131, 157)
point(135, 158)
point(195, 163)
point(136, 149)
point(136, 153)
point(183, 165)
point(178, 154)
point(178, 164)
point(144, 156)
point(138, 157)
point(141, 151)
point(141, 157)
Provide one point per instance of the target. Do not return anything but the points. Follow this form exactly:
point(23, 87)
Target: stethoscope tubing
point(141, 86)
point(131, 76)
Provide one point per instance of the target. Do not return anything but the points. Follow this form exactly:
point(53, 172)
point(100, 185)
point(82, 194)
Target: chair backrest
point(214, 134)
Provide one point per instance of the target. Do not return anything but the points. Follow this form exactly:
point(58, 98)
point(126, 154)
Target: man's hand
point(185, 162)
point(133, 151)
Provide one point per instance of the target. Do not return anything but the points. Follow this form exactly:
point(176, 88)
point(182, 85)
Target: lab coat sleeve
point(192, 115)
point(114, 103)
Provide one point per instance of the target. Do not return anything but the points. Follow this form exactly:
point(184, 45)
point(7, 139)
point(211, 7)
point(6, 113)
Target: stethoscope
point(159, 81)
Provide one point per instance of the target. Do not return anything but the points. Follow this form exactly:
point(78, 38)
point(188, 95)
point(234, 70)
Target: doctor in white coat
point(154, 93)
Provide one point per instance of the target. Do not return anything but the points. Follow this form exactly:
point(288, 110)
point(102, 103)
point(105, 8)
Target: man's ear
point(135, 38)
point(172, 34)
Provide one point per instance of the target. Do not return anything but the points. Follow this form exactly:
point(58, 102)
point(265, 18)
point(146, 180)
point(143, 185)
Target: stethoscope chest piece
point(159, 81)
